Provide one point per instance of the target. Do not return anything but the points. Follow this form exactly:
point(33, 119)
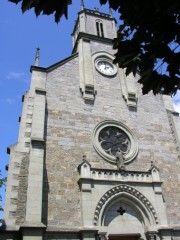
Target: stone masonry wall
point(70, 123)
point(22, 191)
point(107, 26)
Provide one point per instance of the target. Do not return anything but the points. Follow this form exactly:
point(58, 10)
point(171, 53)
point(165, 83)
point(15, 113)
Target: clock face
point(105, 67)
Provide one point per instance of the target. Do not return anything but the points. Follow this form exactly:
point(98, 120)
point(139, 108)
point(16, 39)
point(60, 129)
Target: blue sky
point(20, 35)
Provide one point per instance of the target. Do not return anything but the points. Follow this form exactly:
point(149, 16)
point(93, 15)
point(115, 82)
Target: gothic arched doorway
point(124, 237)
point(124, 214)
point(122, 218)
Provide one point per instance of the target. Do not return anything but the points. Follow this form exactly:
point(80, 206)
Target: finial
point(84, 158)
point(82, 4)
point(37, 57)
point(152, 164)
point(110, 12)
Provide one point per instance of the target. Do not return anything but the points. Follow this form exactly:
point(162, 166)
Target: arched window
point(99, 28)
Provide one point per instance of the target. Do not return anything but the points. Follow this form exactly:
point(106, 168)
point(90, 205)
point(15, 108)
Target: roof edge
point(53, 66)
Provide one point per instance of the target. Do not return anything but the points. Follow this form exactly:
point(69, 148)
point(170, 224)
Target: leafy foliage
point(60, 7)
point(147, 42)
point(2, 183)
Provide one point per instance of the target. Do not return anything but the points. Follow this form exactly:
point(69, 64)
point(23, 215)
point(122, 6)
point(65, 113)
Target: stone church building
point(95, 160)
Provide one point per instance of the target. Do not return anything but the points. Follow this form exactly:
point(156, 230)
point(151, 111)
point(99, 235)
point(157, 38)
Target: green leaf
point(103, 2)
point(148, 31)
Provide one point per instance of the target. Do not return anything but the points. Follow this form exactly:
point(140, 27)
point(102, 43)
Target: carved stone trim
point(126, 189)
point(102, 236)
point(151, 235)
point(86, 77)
point(116, 175)
point(127, 176)
point(128, 89)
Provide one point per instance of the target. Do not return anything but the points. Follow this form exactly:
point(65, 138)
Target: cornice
point(91, 37)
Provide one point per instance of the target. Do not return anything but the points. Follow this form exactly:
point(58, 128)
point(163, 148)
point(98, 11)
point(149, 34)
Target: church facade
point(95, 159)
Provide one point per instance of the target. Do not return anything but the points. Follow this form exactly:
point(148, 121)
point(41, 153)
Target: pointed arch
point(99, 28)
point(130, 195)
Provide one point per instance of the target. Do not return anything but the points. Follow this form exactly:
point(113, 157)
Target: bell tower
point(91, 28)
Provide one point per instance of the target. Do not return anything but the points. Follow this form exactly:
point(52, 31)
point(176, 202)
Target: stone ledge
point(65, 230)
point(40, 91)
point(95, 174)
point(37, 140)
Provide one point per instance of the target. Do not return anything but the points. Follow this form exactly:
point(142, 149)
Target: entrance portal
point(124, 237)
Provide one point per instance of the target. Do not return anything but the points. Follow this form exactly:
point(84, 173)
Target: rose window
point(113, 140)
point(110, 137)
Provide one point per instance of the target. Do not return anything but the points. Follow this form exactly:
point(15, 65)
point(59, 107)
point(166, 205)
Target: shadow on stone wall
point(45, 179)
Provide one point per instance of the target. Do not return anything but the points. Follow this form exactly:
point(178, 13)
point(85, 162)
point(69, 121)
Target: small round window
point(110, 137)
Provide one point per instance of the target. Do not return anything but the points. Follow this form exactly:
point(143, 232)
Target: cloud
point(176, 98)
point(176, 101)
point(177, 107)
point(10, 101)
point(15, 75)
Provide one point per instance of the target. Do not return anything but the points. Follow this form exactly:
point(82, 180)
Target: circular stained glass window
point(110, 137)
point(113, 140)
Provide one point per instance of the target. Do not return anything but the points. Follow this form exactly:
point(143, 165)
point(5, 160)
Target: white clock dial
point(105, 67)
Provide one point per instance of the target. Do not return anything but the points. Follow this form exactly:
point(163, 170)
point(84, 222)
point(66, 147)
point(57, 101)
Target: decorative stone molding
point(85, 168)
point(128, 89)
point(102, 236)
point(124, 189)
point(96, 174)
point(151, 235)
point(154, 172)
point(116, 175)
point(102, 54)
point(86, 77)
point(174, 120)
point(132, 150)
